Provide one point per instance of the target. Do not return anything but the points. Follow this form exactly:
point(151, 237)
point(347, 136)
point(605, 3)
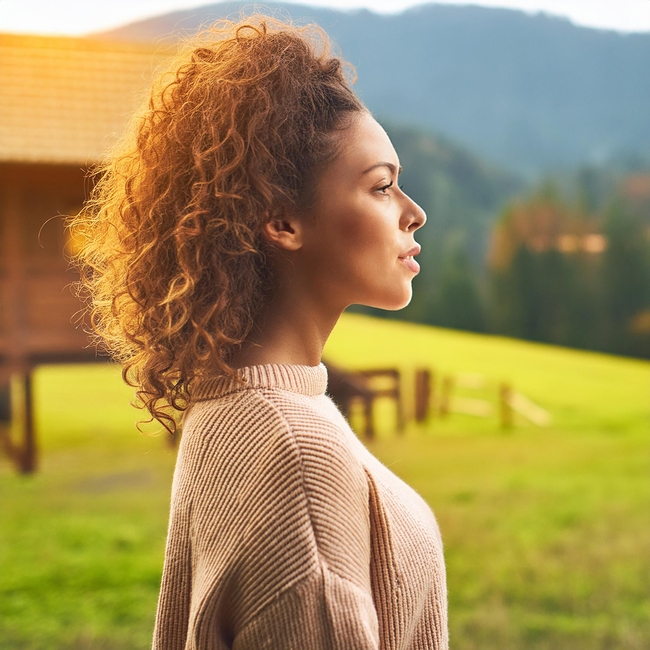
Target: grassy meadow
point(546, 531)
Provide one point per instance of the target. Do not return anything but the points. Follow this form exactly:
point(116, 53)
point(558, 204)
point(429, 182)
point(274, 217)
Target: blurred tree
point(544, 271)
point(459, 304)
point(561, 275)
point(626, 277)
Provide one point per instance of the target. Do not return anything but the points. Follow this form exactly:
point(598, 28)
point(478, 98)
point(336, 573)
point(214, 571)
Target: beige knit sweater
point(286, 533)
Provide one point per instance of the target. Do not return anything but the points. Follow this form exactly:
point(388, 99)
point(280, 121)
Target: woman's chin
point(391, 302)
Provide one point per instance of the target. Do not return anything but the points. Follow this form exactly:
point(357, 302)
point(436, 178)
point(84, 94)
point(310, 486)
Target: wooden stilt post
point(5, 417)
point(28, 451)
point(17, 417)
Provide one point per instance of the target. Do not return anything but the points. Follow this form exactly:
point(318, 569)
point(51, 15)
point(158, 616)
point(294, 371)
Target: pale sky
point(78, 17)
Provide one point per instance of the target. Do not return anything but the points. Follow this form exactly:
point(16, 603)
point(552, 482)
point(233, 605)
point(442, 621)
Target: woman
point(251, 202)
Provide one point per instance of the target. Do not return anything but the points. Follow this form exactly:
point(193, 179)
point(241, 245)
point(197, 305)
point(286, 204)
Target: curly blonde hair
point(174, 266)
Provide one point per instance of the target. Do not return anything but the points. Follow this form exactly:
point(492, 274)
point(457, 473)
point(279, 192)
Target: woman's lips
point(411, 264)
point(408, 260)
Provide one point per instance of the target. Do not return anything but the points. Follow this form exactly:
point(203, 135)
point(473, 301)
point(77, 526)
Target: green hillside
point(546, 530)
point(583, 390)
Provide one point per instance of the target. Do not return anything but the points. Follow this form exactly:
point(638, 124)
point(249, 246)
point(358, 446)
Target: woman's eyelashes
point(383, 188)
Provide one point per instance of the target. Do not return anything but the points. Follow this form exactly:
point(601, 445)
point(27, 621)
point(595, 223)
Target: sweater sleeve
point(323, 612)
point(270, 516)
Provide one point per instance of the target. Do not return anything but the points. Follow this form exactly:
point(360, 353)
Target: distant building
point(63, 102)
point(541, 225)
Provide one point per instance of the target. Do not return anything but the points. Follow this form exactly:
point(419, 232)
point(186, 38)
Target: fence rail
point(431, 395)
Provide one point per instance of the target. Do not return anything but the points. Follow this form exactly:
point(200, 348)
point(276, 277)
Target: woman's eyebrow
point(390, 166)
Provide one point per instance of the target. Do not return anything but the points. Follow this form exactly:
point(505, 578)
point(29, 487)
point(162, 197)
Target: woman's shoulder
point(238, 427)
point(266, 417)
point(268, 433)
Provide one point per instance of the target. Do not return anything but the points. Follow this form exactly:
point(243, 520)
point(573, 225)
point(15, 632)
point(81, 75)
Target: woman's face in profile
point(358, 239)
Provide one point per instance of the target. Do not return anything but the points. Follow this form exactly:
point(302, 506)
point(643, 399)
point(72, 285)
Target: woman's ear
point(283, 229)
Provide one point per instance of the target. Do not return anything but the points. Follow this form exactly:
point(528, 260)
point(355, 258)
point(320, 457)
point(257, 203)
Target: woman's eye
point(385, 187)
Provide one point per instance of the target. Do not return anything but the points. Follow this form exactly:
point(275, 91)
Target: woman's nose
point(414, 216)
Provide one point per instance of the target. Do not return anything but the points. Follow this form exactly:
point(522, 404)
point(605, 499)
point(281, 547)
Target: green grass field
point(546, 531)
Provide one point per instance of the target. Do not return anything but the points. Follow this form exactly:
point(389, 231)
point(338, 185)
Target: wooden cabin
point(63, 102)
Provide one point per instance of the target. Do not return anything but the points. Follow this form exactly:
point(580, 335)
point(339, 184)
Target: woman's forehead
point(366, 147)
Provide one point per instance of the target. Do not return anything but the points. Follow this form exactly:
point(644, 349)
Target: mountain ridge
point(529, 92)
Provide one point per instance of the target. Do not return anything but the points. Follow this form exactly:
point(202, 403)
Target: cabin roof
point(66, 100)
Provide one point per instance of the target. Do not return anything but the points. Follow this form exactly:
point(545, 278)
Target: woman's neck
point(292, 329)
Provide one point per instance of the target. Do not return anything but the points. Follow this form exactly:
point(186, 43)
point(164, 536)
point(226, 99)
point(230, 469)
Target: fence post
point(505, 408)
point(445, 395)
point(422, 394)
point(370, 424)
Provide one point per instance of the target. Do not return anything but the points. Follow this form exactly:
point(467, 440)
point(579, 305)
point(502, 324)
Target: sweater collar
point(308, 380)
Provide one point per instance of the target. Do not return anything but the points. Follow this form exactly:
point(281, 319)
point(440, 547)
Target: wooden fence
point(429, 395)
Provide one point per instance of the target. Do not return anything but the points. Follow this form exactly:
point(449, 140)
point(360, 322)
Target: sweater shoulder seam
point(322, 561)
point(318, 573)
point(298, 452)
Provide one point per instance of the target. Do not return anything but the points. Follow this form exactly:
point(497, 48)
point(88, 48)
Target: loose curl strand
point(174, 268)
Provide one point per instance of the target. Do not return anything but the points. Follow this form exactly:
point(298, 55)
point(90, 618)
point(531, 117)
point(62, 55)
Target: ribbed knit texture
point(286, 533)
